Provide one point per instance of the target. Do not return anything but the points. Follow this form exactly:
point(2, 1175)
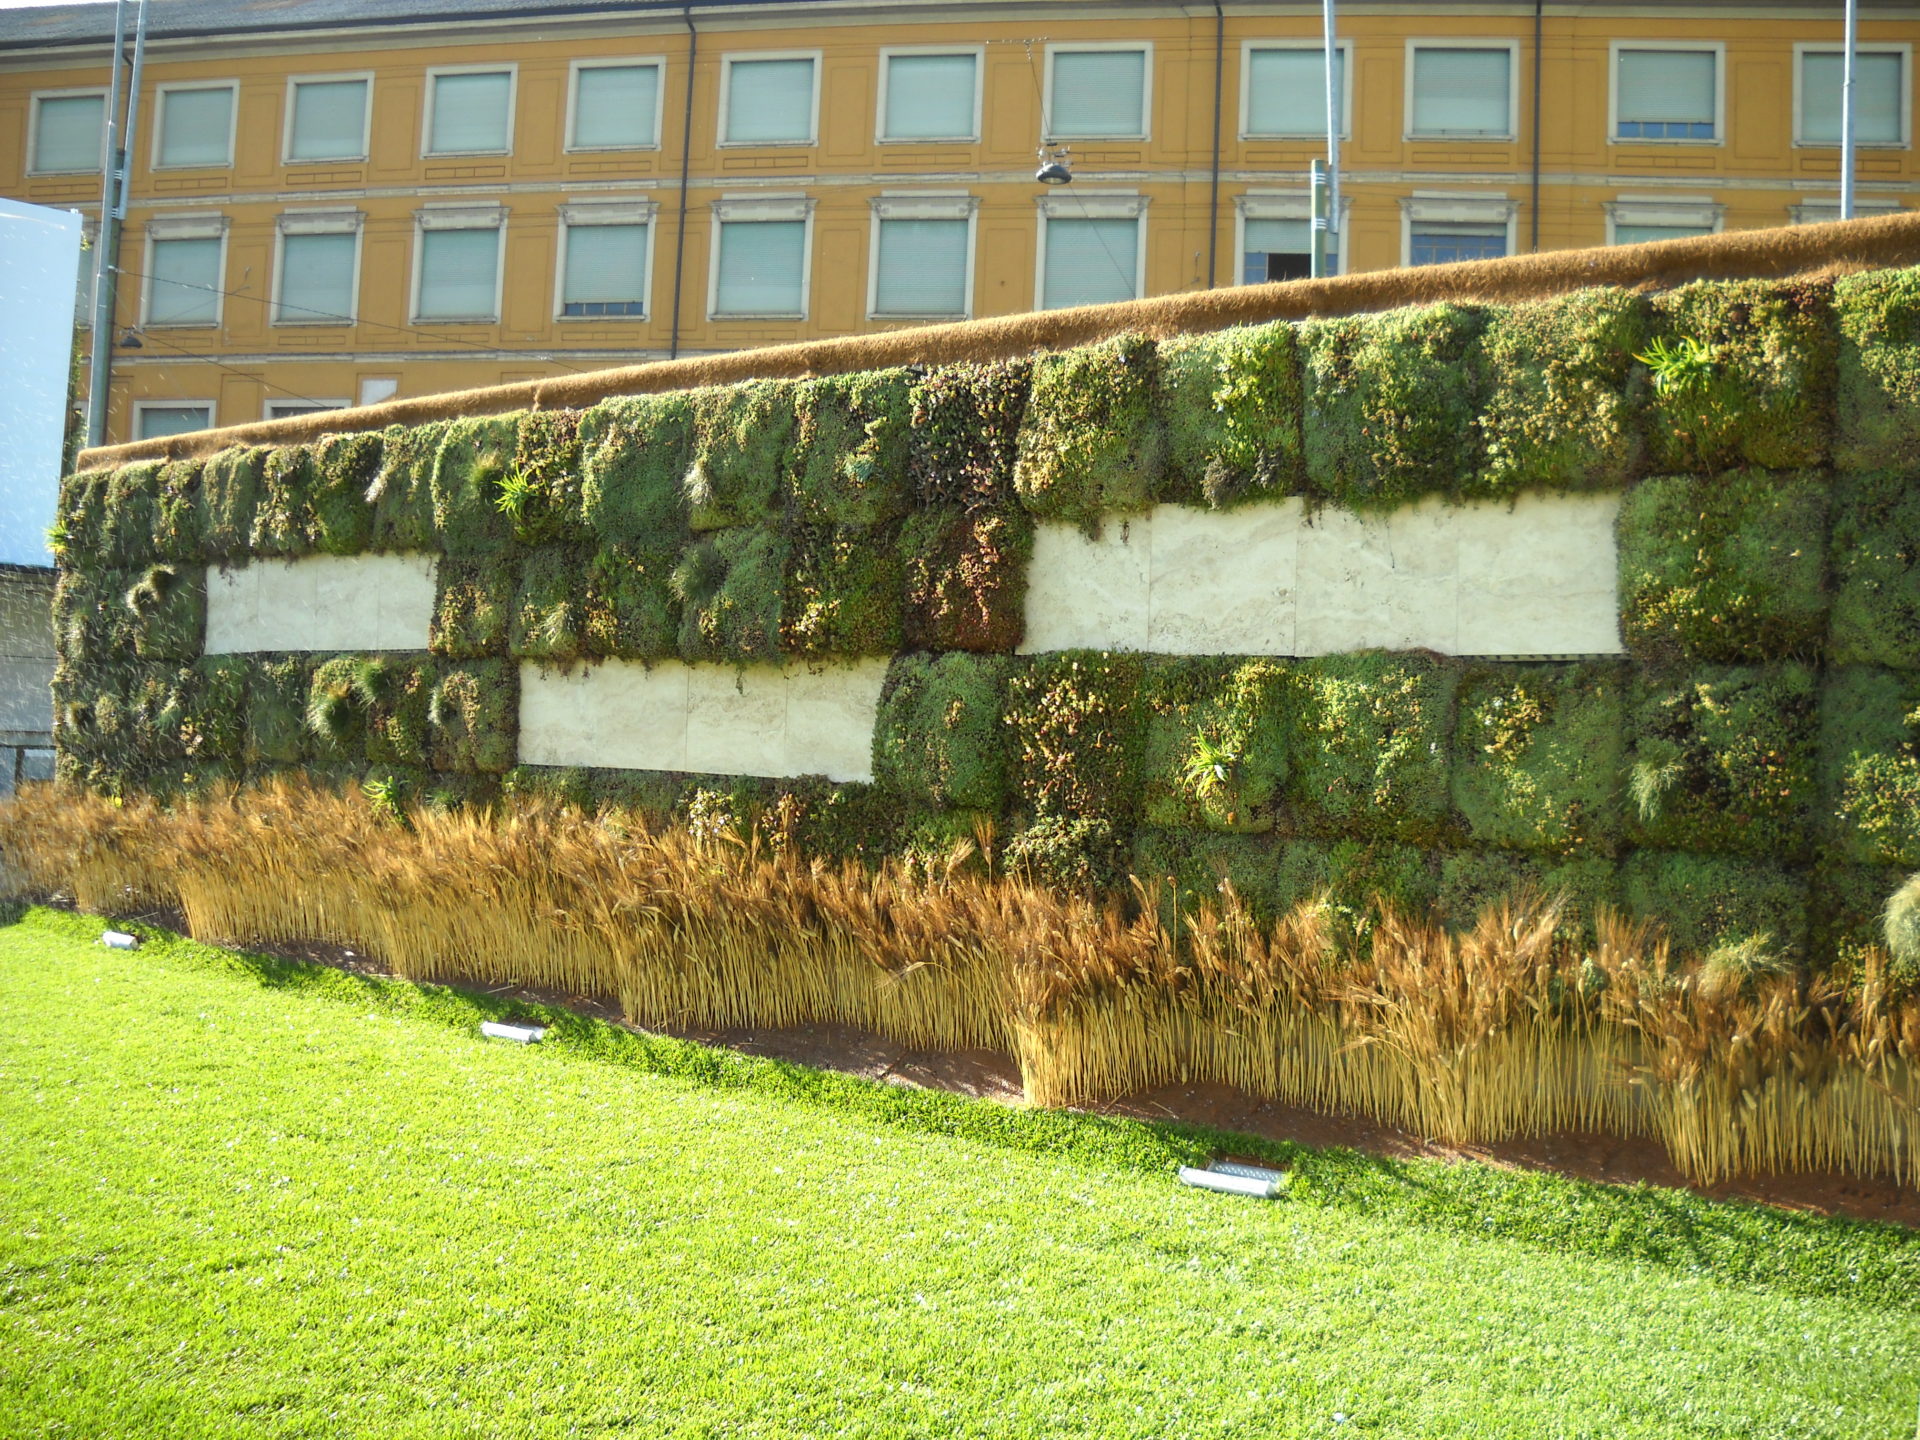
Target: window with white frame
point(327, 118)
point(1097, 92)
point(1460, 92)
point(1880, 102)
point(469, 112)
point(769, 100)
point(1090, 249)
point(760, 257)
point(287, 409)
point(1817, 212)
point(1640, 219)
point(1276, 249)
point(1666, 94)
point(185, 259)
point(1442, 228)
point(457, 263)
point(155, 420)
point(616, 105)
point(196, 126)
point(930, 97)
point(605, 259)
point(1286, 90)
point(922, 256)
point(317, 279)
point(69, 133)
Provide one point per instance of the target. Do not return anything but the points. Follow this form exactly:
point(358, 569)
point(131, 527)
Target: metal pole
point(1846, 111)
point(106, 243)
point(1334, 107)
point(1317, 181)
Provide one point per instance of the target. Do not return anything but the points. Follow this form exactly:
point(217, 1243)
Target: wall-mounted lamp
point(130, 340)
point(1054, 165)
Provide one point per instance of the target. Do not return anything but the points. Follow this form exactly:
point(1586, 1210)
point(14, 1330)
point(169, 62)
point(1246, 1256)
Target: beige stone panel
point(830, 719)
point(1223, 581)
point(321, 602)
point(737, 720)
point(1371, 581)
point(1090, 592)
point(1541, 579)
point(619, 713)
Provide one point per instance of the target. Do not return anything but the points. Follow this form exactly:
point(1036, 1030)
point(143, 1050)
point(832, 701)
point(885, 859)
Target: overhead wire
point(1131, 281)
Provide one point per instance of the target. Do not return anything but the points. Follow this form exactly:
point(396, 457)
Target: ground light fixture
point(521, 1032)
point(1229, 1177)
point(119, 940)
point(1055, 165)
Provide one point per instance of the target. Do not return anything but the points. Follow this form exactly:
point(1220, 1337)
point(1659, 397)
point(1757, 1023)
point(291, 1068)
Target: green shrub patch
point(549, 610)
point(1357, 880)
point(966, 578)
point(474, 606)
point(1216, 743)
point(403, 490)
point(339, 509)
point(474, 715)
point(129, 513)
point(635, 453)
point(1743, 374)
point(1083, 853)
point(729, 586)
point(1372, 746)
point(1724, 761)
point(1725, 569)
point(938, 739)
point(1876, 571)
point(179, 516)
point(470, 473)
point(631, 610)
point(1564, 394)
point(1076, 737)
point(1878, 407)
point(541, 493)
point(1231, 400)
point(844, 592)
point(1192, 867)
point(229, 494)
point(336, 714)
point(276, 710)
point(1538, 752)
point(1870, 764)
point(1472, 881)
point(281, 523)
point(850, 442)
point(1392, 402)
point(1091, 444)
point(743, 439)
point(1707, 901)
point(965, 432)
point(398, 696)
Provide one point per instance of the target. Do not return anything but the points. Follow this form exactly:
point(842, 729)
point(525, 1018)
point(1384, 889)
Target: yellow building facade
point(411, 204)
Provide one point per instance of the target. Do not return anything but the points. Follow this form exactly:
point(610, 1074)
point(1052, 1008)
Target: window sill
point(1834, 145)
point(464, 154)
point(1298, 137)
point(652, 149)
point(641, 319)
point(293, 164)
point(1461, 138)
point(184, 169)
point(723, 317)
point(345, 324)
point(179, 325)
point(1631, 140)
point(1102, 139)
point(454, 320)
point(920, 318)
point(60, 174)
point(767, 144)
point(926, 139)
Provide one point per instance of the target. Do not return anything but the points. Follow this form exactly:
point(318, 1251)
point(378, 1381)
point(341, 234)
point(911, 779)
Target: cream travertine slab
point(321, 602)
point(710, 719)
point(1542, 580)
point(1089, 591)
point(1222, 581)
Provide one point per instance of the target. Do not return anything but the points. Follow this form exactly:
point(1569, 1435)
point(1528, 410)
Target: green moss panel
point(1870, 764)
point(729, 585)
point(229, 495)
point(1878, 409)
point(1538, 754)
point(1875, 618)
point(635, 454)
point(473, 606)
point(965, 432)
point(1217, 742)
point(542, 495)
point(402, 490)
point(1372, 747)
point(852, 436)
point(1231, 404)
point(938, 739)
point(474, 715)
point(1091, 443)
point(743, 442)
point(1706, 901)
point(470, 469)
point(965, 578)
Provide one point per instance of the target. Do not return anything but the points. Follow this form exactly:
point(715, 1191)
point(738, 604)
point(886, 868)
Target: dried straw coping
point(1882, 241)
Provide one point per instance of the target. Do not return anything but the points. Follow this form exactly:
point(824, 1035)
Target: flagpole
point(1334, 96)
point(1846, 111)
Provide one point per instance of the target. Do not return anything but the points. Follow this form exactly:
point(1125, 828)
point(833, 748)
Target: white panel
point(39, 268)
point(631, 717)
point(1461, 92)
point(737, 720)
point(1535, 578)
point(321, 602)
point(830, 718)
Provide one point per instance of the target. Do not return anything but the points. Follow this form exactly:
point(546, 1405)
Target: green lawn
point(313, 1206)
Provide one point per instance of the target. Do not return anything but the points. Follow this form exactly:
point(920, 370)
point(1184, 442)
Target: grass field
point(243, 1198)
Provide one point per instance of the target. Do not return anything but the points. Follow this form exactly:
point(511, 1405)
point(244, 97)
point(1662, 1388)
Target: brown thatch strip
point(1881, 241)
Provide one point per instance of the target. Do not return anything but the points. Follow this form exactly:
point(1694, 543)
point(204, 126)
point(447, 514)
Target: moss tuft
point(167, 608)
point(1371, 746)
point(1564, 394)
point(1726, 569)
point(470, 468)
point(130, 513)
point(844, 592)
point(1538, 752)
point(1706, 901)
point(966, 578)
point(336, 712)
point(1074, 724)
point(965, 433)
point(474, 715)
point(229, 493)
point(179, 518)
point(1216, 742)
point(850, 448)
point(635, 451)
point(541, 493)
point(729, 586)
point(1091, 443)
point(743, 438)
point(1876, 571)
point(550, 608)
point(937, 740)
point(402, 491)
point(1878, 407)
point(283, 522)
point(1232, 405)
point(340, 510)
point(1764, 395)
point(1391, 404)
point(471, 612)
point(632, 612)
point(1724, 761)
point(1870, 764)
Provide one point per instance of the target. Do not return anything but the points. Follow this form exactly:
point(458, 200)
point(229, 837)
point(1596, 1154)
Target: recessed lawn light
point(518, 1031)
point(119, 940)
point(1229, 1178)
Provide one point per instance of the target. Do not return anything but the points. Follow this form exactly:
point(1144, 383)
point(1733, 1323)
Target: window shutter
point(159, 421)
point(1641, 234)
point(1287, 91)
point(1876, 98)
point(930, 97)
point(329, 120)
point(470, 112)
point(1666, 86)
point(316, 278)
point(196, 127)
point(614, 106)
point(1098, 93)
point(458, 270)
point(1461, 92)
point(1279, 237)
point(69, 132)
point(921, 268)
point(606, 264)
point(1090, 262)
point(186, 275)
point(761, 263)
point(770, 100)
